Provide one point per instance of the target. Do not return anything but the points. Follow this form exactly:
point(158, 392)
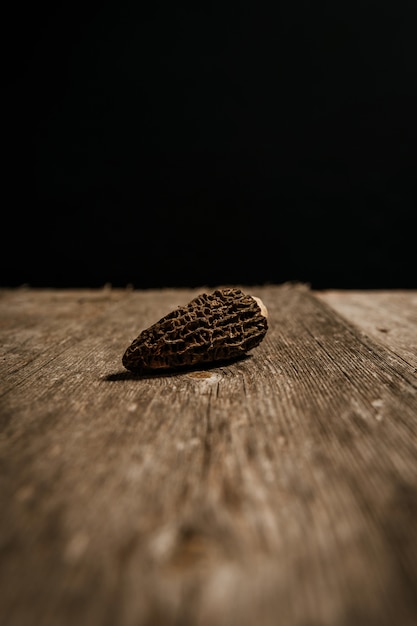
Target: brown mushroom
point(218, 326)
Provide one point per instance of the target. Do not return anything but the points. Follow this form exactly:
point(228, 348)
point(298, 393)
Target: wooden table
point(279, 489)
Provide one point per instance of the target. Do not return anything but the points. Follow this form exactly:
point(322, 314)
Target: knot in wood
point(218, 326)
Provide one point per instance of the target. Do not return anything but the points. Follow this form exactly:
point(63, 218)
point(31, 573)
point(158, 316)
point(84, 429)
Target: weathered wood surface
point(389, 317)
point(280, 489)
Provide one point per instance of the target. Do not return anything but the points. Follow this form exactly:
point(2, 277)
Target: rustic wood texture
point(279, 489)
point(390, 317)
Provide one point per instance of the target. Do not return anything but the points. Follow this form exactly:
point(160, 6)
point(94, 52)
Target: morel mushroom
point(219, 326)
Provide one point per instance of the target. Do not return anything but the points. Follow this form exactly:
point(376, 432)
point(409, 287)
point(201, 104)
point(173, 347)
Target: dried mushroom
point(219, 326)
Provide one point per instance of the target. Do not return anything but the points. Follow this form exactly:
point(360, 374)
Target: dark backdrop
point(157, 145)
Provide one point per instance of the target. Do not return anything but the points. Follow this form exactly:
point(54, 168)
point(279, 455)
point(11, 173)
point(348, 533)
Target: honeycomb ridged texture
point(219, 326)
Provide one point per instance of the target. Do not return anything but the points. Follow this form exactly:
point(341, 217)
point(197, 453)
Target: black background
point(157, 145)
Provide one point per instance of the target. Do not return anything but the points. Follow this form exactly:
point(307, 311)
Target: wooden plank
point(278, 489)
point(389, 317)
point(37, 325)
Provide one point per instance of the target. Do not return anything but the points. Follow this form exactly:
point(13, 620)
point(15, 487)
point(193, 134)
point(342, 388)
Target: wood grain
point(389, 317)
point(280, 489)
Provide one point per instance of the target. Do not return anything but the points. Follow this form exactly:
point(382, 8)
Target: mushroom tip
point(264, 310)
